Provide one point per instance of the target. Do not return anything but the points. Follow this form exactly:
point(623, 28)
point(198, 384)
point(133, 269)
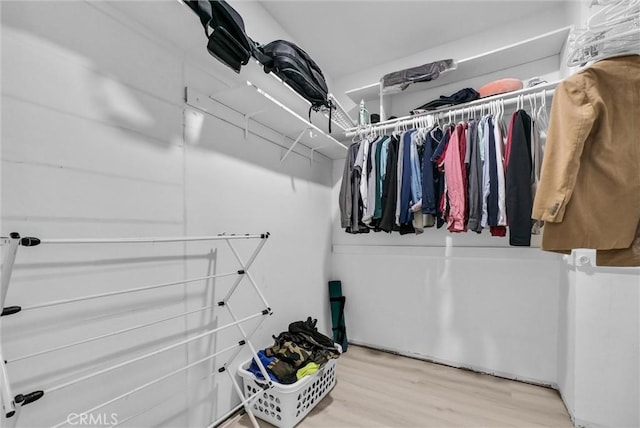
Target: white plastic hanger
point(613, 13)
point(611, 31)
point(542, 116)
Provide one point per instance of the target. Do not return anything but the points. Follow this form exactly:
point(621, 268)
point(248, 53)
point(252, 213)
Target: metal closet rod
point(509, 98)
point(30, 241)
point(127, 291)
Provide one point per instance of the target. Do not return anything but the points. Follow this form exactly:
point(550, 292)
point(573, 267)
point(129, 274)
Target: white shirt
point(502, 207)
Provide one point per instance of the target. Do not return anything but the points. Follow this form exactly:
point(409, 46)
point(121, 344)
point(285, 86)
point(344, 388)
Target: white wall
point(599, 376)
point(452, 297)
point(464, 299)
point(93, 125)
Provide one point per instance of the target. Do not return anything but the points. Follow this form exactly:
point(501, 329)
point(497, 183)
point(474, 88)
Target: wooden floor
point(378, 389)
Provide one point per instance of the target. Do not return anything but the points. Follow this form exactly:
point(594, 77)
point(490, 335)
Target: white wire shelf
point(543, 46)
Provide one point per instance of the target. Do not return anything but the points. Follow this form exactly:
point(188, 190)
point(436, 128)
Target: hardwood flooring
point(378, 389)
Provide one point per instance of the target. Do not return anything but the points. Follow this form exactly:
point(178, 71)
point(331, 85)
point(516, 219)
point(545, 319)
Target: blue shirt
point(405, 189)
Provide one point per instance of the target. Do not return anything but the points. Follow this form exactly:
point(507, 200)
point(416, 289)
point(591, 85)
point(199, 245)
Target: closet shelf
point(264, 99)
point(508, 99)
point(252, 93)
point(535, 48)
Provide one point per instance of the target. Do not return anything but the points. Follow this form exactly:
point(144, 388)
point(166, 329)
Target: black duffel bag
point(228, 42)
point(296, 68)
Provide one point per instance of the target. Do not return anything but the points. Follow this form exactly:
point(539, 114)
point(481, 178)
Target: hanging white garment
point(499, 143)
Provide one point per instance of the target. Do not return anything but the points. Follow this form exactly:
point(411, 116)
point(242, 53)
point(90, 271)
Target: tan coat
point(589, 190)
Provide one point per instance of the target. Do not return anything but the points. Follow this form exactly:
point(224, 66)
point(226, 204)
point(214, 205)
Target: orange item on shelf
point(500, 87)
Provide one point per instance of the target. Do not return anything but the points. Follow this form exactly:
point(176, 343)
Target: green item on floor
point(337, 301)
point(307, 370)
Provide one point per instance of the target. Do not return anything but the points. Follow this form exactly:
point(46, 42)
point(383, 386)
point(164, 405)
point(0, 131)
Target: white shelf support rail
point(295, 115)
point(194, 100)
point(295, 143)
point(314, 150)
point(247, 117)
point(10, 248)
point(508, 99)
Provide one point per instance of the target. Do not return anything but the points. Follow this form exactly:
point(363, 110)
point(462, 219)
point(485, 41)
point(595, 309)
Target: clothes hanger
point(612, 31)
point(612, 13)
point(396, 129)
point(531, 109)
point(543, 115)
point(357, 135)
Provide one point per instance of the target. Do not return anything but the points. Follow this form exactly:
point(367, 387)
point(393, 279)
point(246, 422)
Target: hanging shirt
point(390, 188)
point(589, 185)
point(486, 175)
point(381, 166)
point(475, 177)
point(356, 179)
point(364, 182)
point(356, 213)
point(499, 142)
point(345, 198)
point(454, 177)
point(507, 149)
point(492, 202)
point(399, 171)
point(537, 140)
point(371, 184)
point(441, 185)
point(518, 181)
point(429, 179)
point(405, 213)
point(416, 170)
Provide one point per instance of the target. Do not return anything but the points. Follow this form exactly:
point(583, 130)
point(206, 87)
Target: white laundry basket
point(286, 405)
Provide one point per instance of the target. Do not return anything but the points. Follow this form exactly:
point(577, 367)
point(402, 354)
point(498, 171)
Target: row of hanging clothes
point(473, 174)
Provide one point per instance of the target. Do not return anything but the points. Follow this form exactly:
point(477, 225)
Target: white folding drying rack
point(12, 404)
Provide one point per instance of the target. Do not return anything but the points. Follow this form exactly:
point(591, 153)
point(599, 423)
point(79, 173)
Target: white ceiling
point(346, 36)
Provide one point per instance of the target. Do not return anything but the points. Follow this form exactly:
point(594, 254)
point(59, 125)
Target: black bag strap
point(203, 9)
point(330, 114)
point(316, 108)
point(264, 59)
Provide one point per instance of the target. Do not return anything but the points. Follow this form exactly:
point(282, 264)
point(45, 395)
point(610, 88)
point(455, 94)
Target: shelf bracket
point(295, 143)
point(246, 122)
point(314, 150)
